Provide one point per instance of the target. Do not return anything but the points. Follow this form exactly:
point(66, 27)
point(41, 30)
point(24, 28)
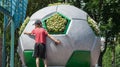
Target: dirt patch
point(0, 51)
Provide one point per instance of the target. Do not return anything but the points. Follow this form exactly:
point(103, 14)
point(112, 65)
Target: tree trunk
point(102, 53)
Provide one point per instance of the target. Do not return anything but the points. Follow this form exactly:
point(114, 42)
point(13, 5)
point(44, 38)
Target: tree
point(34, 5)
point(1, 23)
point(107, 14)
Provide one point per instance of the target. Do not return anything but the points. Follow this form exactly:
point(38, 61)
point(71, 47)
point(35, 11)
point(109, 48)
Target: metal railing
point(14, 13)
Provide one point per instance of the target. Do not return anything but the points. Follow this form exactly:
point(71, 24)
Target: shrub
point(93, 25)
point(23, 25)
point(56, 24)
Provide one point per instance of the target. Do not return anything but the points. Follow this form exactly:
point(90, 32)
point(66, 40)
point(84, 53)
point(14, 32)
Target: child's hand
point(57, 42)
point(25, 32)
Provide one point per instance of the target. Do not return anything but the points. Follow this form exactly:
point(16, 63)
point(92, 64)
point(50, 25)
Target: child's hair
point(38, 22)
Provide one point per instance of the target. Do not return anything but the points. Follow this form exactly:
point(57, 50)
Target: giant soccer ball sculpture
point(80, 46)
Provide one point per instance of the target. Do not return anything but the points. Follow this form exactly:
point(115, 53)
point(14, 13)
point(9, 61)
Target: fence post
point(12, 45)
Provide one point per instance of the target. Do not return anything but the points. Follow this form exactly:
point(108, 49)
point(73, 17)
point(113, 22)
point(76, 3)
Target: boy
point(40, 41)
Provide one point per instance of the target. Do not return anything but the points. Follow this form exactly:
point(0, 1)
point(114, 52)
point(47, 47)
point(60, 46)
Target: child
point(40, 42)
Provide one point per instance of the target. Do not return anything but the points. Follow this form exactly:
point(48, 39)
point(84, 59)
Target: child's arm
point(55, 40)
point(27, 33)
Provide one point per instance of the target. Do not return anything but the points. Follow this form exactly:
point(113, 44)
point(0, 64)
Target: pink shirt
point(40, 35)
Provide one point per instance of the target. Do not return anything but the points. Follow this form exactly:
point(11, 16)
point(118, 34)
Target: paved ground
point(0, 52)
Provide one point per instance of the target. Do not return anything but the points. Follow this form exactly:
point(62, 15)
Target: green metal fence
point(14, 13)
